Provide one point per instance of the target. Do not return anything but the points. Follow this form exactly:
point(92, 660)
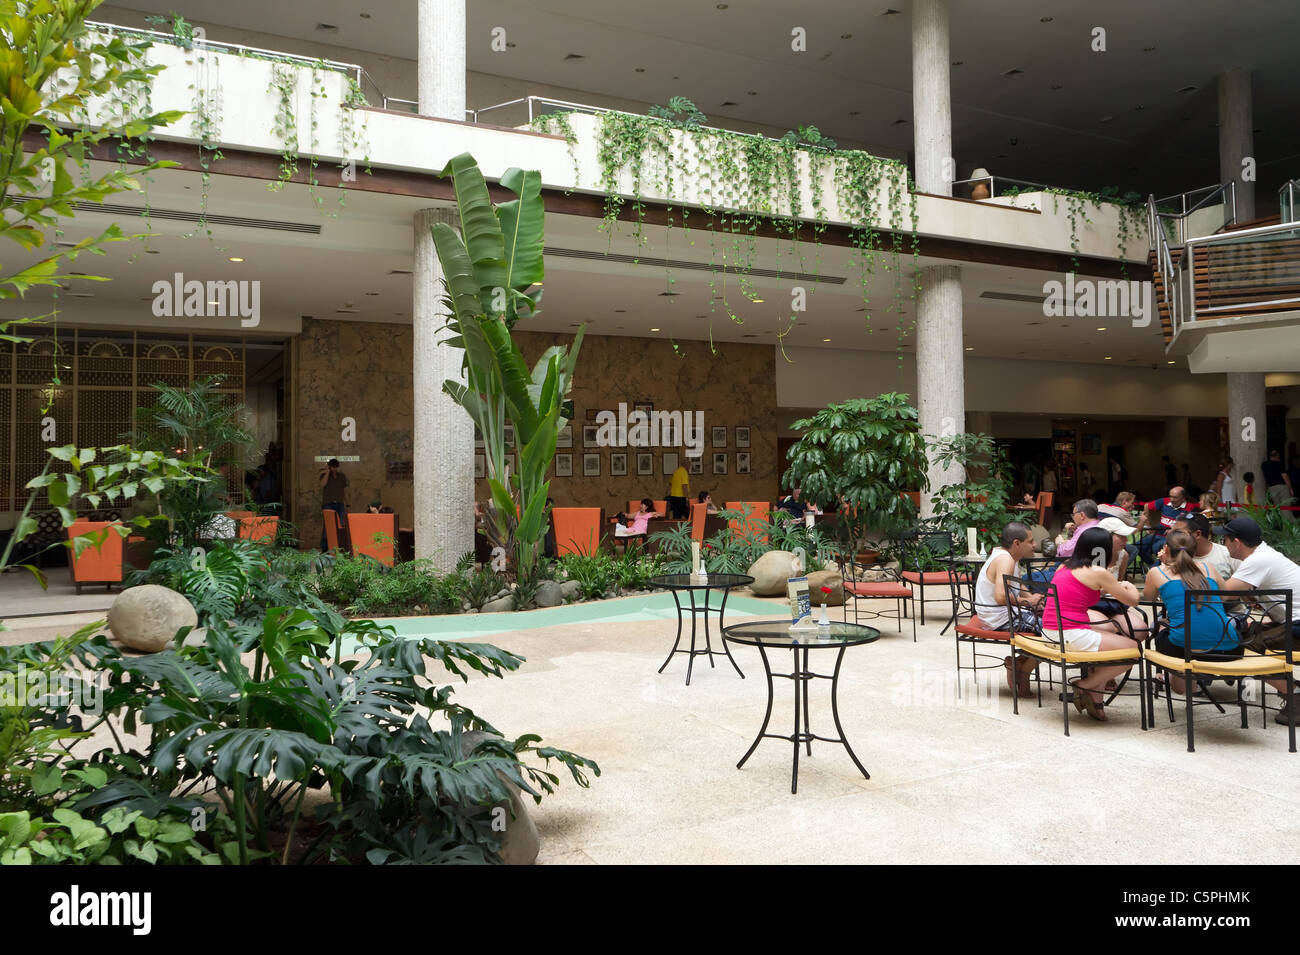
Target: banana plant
point(492, 272)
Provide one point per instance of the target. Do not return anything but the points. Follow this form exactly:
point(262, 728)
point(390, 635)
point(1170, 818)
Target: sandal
point(1083, 700)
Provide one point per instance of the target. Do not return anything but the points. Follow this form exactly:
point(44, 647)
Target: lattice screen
point(90, 383)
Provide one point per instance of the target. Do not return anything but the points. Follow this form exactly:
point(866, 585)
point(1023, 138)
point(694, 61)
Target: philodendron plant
point(493, 271)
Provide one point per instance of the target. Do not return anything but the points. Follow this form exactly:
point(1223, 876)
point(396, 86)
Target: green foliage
point(982, 501)
point(679, 112)
point(595, 573)
point(1281, 531)
point(863, 453)
point(493, 273)
point(119, 837)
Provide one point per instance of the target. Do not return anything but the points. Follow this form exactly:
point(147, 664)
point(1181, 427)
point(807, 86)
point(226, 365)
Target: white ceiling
point(1071, 117)
point(347, 267)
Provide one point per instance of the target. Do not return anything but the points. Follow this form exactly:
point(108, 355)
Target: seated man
point(1207, 549)
point(1082, 517)
point(792, 504)
point(1263, 568)
point(991, 597)
point(1160, 515)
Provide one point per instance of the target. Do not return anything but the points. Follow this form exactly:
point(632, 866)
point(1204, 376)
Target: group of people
point(1279, 483)
point(1093, 607)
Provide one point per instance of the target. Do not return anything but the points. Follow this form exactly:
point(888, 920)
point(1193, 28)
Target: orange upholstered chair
point(577, 529)
point(100, 564)
point(661, 507)
point(334, 533)
point(699, 513)
point(1045, 501)
point(259, 528)
point(758, 511)
point(374, 535)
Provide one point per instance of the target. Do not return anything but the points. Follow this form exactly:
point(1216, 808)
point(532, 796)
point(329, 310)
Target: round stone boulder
point(146, 618)
point(826, 578)
point(549, 594)
point(771, 572)
point(520, 841)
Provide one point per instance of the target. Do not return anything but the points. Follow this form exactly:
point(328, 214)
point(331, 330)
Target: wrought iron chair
point(970, 629)
point(915, 549)
point(1228, 660)
point(846, 558)
point(1050, 648)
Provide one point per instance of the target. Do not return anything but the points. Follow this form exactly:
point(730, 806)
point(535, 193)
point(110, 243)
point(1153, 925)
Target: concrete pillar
point(940, 371)
point(1237, 137)
point(932, 97)
point(444, 433)
point(1247, 425)
point(441, 65)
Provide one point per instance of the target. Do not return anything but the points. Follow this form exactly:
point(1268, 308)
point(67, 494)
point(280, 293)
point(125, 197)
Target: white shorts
point(1082, 640)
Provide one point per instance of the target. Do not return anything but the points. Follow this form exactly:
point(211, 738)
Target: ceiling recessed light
point(510, 44)
point(619, 311)
point(365, 16)
point(1014, 71)
point(575, 56)
point(236, 258)
point(640, 69)
point(1106, 119)
point(153, 252)
point(751, 92)
point(1107, 358)
point(1148, 49)
point(372, 293)
point(727, 103)
point(757, 301)
point(327, 28)
point(669, 294)
point(970, 347)
point(846, 36)
point(1189, 88)
point(1058, 86)
point(958, 62)
point(855, 112)
point(1046, 19)
point(890, 12)
point(1102, 329)
point(654, 329)
point(723, 6)
point(825, 339)
point(1171, 363)
point(899, 122)
point(1139, 107)
point(575, 324)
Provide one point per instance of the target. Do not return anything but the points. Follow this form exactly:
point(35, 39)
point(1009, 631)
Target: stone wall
point(363, 371)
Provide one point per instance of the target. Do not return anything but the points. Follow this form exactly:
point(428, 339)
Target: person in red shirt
point(1160, 515)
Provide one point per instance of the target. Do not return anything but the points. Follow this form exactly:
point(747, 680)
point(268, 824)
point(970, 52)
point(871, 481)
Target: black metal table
point(776, 634)
point(676, 583)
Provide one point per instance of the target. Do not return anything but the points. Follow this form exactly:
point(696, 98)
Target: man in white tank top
point(991, 599)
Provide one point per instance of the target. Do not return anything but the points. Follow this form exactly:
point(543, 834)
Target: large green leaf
point(457, 272)
point(479, 226)
point(522, 225)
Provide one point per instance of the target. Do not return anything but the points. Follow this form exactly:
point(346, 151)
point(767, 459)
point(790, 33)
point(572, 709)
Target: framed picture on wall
point(510, 435)
point(565, 438)
point(478, 437)
point(742, 462)
point(510, 463)
point(670, 462)
point(695, 465)
point(589, 432)
point(618, 464)
point(720, 437)
point(720, 463)
point(645, 463)
point(1092, 443)
point(742, 437)
point(480, 465)
point(591, 465)
point(564, 465)
point(646, 406)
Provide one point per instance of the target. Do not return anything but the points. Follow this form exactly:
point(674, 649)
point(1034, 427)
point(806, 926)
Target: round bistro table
point(686, 583)
point(777, 635)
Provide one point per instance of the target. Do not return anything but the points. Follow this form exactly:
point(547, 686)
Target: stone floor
point(952, 780)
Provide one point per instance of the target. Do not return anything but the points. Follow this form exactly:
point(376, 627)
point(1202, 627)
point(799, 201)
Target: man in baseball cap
point(1120, 532)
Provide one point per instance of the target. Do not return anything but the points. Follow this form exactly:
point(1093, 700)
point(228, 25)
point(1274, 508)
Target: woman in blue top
point(1208, 631)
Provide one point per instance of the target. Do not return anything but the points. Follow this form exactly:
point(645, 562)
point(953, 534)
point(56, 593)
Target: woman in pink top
point(640, 520)
point(1079, 583)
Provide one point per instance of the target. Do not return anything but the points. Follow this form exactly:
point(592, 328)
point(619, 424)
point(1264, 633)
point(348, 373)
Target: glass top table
point(690, 585)
point(778, 635)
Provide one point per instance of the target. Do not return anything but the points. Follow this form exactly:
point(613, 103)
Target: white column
point(1237, 136)
point(940, 371)
point(940, 375)
point(1247, 425)
point(932, 97)
point(441, 65)
point(444, 433)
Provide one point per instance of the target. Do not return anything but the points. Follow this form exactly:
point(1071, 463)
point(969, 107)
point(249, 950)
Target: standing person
point(1171, 473)
point(1031, 472)
point(1086, 480)
point(1224, 485)
point(1117, 476)
point(334, 494)
point(1276, 480)
point(679, 486)
point(1050, 480)
point(1248, 495)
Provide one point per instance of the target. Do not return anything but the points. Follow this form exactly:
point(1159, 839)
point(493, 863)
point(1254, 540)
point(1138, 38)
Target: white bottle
point(824, 620)
point(704, 573)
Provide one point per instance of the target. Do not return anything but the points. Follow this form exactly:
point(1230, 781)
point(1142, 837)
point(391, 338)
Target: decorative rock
point(521, 842)
point(771, 573)
point(196, 637)
point(500, 604)
point(826, 578)
point(146, 618)
point(549, 594)
point(571, 590)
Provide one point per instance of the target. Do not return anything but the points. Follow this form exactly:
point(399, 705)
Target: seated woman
point(1080, 582)
point(640, 520)
point(707, 498)
point(1178, 572)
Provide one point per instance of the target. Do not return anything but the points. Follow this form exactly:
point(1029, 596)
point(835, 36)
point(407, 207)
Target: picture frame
point(719, 436)
point(742, 462)
point(670, 462)
point(645, 463)
point(589, 432)
point(564, 465)
point(695, 465)
point(720, 463)
point(618, 464)
point(1091, 443)
point(565, 437)
point(591, 465)
point(742, 436)
point(509, 432)
point(478, 437)
point(646, 406)
point(480, 465)
point(510, 463)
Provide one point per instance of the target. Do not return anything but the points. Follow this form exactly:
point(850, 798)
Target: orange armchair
point(374, 535)
point(96, 565)
point(758, 512)
point(577, 529)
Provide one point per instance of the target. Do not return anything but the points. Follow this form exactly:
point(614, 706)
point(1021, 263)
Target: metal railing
point(1000, 185)
point(1175, 210)
point(1241, 237)
point(1288, 200)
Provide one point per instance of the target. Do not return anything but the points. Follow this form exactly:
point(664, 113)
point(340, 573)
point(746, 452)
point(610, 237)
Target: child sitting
point(640, 520)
